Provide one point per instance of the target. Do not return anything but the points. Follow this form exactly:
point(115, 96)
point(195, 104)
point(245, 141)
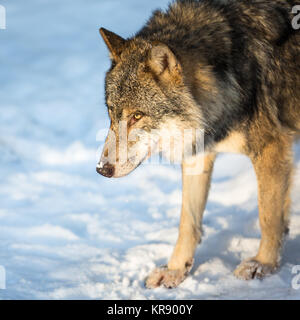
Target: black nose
point(107, 170)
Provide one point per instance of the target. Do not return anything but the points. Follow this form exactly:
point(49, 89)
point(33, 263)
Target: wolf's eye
point(137, 116)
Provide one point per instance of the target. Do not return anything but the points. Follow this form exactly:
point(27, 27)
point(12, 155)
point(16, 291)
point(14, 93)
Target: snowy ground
point(66, 232)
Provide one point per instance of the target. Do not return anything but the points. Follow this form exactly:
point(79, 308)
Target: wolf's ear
point(162, 60)
point(114, 43)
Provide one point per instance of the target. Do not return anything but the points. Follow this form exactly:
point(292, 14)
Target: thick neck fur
point(220, 63)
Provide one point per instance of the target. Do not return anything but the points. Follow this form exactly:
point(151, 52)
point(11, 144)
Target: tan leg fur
point(194, 197)
point(274, 169)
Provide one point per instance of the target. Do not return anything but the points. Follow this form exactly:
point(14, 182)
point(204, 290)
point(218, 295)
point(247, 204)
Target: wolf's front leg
point(273, 168)
point(195, 188)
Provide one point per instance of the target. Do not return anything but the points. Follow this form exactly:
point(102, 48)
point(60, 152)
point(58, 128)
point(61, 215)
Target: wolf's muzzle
point(107, 170)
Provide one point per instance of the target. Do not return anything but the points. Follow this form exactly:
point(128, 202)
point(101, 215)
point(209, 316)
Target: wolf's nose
point(107, 170)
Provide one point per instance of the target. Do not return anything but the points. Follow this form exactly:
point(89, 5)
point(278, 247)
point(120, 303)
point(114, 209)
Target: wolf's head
point(146, 99)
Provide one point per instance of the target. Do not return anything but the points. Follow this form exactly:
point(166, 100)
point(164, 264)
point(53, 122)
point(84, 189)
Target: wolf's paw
point(162, 276)
point(252, 269)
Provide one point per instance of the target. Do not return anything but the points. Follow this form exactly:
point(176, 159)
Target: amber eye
point(137, 116)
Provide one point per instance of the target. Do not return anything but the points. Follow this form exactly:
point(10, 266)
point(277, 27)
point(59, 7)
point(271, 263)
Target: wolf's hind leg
point(195, 188)
point(274, 168)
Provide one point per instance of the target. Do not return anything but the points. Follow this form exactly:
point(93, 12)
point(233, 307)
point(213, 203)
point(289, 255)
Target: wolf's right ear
point(164, 63)
point(114, 43)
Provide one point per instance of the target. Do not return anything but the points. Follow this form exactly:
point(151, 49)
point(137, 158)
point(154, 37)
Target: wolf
point(232, 69)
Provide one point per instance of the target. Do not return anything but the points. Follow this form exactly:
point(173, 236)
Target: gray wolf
point(231, 68)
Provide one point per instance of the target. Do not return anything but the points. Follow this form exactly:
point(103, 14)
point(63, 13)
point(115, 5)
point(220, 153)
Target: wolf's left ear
point(114, 43)
point(162, 60)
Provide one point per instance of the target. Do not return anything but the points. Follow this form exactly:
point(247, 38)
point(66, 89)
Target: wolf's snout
point(106, 170)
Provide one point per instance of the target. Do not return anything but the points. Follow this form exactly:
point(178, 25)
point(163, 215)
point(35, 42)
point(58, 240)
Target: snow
point(68, 233)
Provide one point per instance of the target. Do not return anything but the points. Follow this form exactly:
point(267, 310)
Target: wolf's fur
point(231, 68)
